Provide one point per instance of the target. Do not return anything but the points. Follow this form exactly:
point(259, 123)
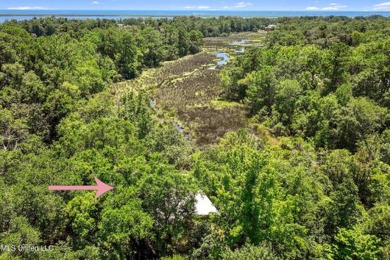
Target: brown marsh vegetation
point(191, 99)
point(186, 92)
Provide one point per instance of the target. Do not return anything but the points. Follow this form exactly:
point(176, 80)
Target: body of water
point(121, 14)
point(240, 42)
point(224, 58)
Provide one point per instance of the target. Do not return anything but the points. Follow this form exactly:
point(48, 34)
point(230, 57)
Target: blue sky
point(313, 5)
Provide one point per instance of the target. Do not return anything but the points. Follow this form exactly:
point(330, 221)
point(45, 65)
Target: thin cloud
point(382, 7)
point(312, 8)
point(96, 2)
point(330, 7)
point(239, 5)
point(27, 8)
point(197, 7)
point(334, 7)
point(242, 4)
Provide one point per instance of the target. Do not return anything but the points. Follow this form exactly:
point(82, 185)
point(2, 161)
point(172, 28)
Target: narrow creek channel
point(224, 58)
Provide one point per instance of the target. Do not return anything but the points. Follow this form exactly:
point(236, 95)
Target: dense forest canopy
point(308, 178)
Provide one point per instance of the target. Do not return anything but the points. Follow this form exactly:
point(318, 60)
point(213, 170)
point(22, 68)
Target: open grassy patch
point(221, 104)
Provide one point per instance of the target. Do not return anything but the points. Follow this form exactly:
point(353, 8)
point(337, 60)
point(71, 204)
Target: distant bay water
point(121, 14)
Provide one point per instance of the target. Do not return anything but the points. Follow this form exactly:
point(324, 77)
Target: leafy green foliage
point(317, 80)
point(308, 179)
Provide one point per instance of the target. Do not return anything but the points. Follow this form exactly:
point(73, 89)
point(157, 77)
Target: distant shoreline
point(21, 15)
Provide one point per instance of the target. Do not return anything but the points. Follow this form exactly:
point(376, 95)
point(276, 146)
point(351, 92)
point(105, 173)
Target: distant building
point(271, 27)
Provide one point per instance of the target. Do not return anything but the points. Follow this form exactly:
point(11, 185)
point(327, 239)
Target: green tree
point(354, 244)
point(262, 90)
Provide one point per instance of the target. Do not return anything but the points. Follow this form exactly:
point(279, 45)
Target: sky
point(246, 5)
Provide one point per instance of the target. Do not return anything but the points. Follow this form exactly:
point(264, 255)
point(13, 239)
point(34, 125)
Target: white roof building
point(271, 27)
point(203, 205)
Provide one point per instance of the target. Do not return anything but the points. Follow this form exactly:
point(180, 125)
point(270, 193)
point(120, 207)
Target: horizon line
point(198, 10)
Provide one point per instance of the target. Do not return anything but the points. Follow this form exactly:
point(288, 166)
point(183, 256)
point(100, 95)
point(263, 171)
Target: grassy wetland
point(188, 92)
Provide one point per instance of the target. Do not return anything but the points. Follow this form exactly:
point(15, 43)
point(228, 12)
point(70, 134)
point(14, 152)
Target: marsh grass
point(195, 100)
point(188, 94)
point(212, 43)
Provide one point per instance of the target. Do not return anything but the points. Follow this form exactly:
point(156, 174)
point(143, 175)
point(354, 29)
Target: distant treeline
point(209, 27)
